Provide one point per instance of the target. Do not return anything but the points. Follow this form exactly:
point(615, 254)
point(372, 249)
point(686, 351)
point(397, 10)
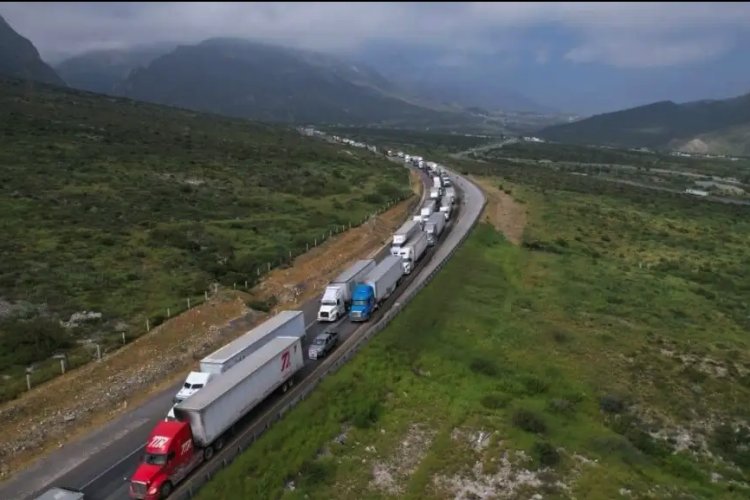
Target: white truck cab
point(332, 305)
point(193, 383)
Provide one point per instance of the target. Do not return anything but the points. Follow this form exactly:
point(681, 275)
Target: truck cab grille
point(138, 489)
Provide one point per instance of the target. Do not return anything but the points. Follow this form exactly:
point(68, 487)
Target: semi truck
point(428, 207)
point(289, 323)
point(445, 210)
point(404, 232)
point(437, 181)
point(450, 194)
point(413, 250)
point(434, 193)
point(286, 323)
point(434, 227)
point(376, 287)
point(337, 296)
point(176, 447)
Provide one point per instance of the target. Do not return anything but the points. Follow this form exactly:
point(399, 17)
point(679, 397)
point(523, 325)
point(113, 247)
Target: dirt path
point(502, 211)
point(69, 406)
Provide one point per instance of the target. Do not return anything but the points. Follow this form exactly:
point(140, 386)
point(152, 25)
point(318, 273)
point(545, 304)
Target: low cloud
point(618, 34)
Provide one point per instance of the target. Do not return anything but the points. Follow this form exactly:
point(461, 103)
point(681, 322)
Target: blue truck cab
point(363, 303)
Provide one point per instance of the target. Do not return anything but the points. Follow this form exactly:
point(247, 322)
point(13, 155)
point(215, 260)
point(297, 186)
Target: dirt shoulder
point(502, 211)
point(69, 406)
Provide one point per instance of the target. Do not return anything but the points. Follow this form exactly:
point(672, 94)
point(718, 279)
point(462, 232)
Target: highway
point(100, 463)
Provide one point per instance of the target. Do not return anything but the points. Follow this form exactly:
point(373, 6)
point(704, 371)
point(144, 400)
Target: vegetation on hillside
point(657, 125)
point(125, 209)
point(606, 356)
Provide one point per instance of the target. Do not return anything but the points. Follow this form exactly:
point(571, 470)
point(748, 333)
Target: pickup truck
point(323, 344)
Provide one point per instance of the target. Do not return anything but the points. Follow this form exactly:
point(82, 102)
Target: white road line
point(95, 479)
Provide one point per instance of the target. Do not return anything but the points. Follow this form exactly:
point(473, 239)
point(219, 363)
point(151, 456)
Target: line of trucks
point(234, 379)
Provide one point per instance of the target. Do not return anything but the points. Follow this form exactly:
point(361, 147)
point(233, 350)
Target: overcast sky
point(619, 36)
point(626, 35)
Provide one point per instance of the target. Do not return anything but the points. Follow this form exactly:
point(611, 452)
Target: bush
point(561, 406)
point(529, 421)
point(262, 305)
point(546, 454)
point(484, 366)
point(611, 403)
point(494, 401)
point(733, 445)
point(25, 342)
point(535, 385)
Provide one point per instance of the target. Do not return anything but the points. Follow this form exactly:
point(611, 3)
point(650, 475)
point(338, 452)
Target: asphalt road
point(101, 463)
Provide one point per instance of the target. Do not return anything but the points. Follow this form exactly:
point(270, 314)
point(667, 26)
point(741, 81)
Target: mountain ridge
point(19, 58)
point(661, 125)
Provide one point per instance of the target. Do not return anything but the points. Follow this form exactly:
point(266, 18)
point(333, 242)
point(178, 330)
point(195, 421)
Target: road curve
point(100, 463)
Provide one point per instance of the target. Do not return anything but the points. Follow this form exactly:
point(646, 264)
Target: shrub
point(484, 366)
point(611, 403)
point(262, 305)
point(546, 454)
point(529, 421)
point(494, 401)
point(561, 406)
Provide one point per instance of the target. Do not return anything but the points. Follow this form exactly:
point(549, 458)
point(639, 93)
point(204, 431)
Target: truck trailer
point(404, 232)
point(434, 227)
point(428, 208)
point(450, 194)
point(375, 288)
point(176, 447)
point(286, 323)
point(337, 296)
point(412, 251)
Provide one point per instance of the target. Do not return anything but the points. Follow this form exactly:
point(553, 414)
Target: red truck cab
point(169, 457)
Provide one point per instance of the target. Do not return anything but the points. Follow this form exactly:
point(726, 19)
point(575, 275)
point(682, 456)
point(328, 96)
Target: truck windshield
point(328, 302)
point(360, 302)
point(155, 458)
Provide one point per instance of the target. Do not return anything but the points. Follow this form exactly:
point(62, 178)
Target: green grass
point(643, 161)
point(127, 208)
point(564, 347)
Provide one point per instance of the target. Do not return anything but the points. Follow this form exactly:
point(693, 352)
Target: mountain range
point(265, 82)
point(20, 59)
point(709, 126)
point(102, 70)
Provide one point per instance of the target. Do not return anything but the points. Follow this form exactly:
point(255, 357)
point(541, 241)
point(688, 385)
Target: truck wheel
point(208, 453)
point(166, 490)
point(284, 387)
point(219, 443)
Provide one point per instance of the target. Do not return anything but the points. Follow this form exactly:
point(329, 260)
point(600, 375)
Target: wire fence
point(105, 343)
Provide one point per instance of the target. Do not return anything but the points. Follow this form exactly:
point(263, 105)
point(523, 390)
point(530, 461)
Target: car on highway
point(323, 344)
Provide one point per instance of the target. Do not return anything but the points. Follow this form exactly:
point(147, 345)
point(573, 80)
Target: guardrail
point(190, 487)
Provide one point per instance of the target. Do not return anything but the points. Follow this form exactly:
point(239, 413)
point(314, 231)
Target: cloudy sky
point(654, 50)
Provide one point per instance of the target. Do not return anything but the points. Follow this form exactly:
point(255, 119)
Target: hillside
point(20, 59)
point(125, 209)
point(102, 70)
point(270, 83)
point(659, 125)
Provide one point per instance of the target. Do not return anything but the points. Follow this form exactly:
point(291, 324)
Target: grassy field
point(643, 161)
point(126, 209)
point(605, 357)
